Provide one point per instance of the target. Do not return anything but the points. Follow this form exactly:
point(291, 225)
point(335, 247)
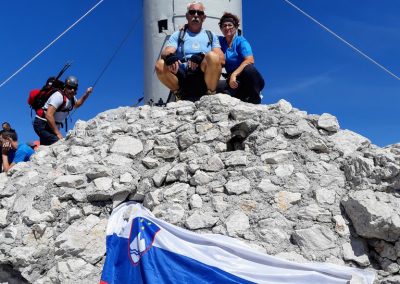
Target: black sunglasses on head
point(193, 12)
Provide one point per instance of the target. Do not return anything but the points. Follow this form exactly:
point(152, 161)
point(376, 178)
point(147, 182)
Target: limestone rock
point(328, 122)
point(199, 220)
point(127, 146)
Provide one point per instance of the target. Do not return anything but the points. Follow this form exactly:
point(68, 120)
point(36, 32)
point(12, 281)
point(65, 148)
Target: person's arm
point(4, 153)
point(232, 81)
point(84, 97)
point(51, 110)
point(167, 51)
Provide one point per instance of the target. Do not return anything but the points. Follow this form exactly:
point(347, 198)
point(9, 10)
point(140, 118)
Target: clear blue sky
point(301, 63)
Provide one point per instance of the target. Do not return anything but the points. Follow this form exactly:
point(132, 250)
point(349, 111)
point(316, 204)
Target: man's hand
point(195, 60)
point(89, 90)
point(172, 62)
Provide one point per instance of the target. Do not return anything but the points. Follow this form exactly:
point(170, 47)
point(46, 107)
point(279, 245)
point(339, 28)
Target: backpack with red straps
point(38, 97)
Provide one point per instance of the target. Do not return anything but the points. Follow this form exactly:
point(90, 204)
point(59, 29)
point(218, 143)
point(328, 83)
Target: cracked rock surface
point(286, 182)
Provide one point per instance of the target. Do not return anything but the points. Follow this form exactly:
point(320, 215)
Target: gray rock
point(356, 251)
point(160, 176)
point(316, 238)
point(347, 142)
point(166, 152)
point(84, 238)
point(237, 224)
point(70, 181)
point(173, 214)
point(328, 122)
point(238, 187)
point(195, 201)
point(199, 220)
point(214, 164)
point(3, 218)
point(372, 218)
point(150, 163)
point(276, 157)
point(177, 193)
point(200, 178)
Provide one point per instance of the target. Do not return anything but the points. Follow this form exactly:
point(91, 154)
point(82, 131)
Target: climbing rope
point(50, 44)
point(343, 40)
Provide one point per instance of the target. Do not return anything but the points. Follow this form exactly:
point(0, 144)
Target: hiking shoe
point(178, 95)
point(210, 93)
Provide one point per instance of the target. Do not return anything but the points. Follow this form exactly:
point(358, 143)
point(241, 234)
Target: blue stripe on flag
point(158, 266)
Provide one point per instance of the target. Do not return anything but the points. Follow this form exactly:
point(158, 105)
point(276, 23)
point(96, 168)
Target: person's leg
point(211, 68)
point(250, 85)
point(43, 130)
point(165, 76)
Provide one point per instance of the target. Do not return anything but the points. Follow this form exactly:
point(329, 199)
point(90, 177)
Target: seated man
point(190, 64)
point(12, 151)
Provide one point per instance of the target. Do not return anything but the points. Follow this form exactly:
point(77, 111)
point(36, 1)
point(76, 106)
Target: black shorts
point(192, 85)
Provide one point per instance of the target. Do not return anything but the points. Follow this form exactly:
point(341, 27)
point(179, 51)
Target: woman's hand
point(232, 81)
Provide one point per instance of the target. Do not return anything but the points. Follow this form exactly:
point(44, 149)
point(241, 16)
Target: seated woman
point(244, 81)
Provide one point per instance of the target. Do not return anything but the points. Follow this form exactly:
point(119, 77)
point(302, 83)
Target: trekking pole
point(138, 102)
point(66, 66)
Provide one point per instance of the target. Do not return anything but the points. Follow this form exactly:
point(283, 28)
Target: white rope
point(50, 44)
point(343, 40)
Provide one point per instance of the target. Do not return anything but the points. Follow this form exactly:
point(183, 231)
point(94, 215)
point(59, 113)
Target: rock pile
point(286, 182)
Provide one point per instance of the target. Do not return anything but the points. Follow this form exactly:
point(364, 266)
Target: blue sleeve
point(23, 154)
point(173, 40)
point(19, 157)
point(245, 48)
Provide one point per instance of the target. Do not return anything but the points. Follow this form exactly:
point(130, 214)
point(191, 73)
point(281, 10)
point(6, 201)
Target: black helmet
point(71, 81)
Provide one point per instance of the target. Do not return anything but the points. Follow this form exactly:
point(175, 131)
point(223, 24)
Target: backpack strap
point(182, 34)
point(210, 38)
point(64, 103)
point(181, 40)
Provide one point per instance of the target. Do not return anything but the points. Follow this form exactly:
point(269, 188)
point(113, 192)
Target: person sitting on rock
point(243, 79)
point(191, 63)
point(12, 151)
point(5, 127)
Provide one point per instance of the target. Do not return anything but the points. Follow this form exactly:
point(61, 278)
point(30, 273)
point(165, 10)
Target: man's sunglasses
point(193, 12)
point(71, 88)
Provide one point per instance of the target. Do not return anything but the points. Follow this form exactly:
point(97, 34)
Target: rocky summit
point(288, 183)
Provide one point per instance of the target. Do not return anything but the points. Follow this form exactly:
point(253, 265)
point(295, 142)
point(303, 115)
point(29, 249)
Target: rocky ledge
point(286, 182)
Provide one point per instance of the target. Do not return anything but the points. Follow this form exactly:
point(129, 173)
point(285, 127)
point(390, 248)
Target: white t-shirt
point(56, 100)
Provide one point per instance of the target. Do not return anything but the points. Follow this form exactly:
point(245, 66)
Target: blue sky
point(300, 62)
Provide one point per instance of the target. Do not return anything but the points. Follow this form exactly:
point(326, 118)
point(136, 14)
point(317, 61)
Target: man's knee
point(159, 66)
point(212, 58)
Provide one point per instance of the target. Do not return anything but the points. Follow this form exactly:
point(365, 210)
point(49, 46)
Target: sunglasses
point(193, 12)
point(71, 88)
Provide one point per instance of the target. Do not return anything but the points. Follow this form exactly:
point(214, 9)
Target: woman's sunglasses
point(193, 12)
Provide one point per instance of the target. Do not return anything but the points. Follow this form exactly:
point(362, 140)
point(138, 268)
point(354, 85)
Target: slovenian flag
point(144, 249)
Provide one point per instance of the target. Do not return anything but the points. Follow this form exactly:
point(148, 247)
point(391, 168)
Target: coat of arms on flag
point(141, 238)
point(144, 249)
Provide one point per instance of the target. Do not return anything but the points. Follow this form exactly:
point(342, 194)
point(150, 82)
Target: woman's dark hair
point(229, 17)
point(9, 134)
